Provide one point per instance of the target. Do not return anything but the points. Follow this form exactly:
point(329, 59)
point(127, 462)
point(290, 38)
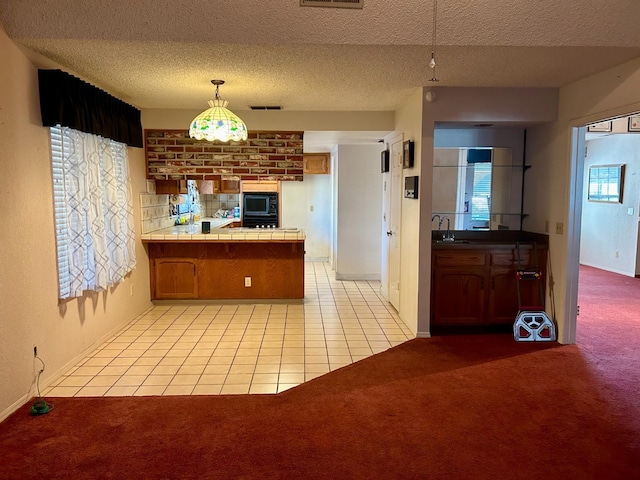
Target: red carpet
point(459, 407)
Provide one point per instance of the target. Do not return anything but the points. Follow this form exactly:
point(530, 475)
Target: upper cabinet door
point(229, 186)
point(172, 187)
point(317, 163)
point(260, 186)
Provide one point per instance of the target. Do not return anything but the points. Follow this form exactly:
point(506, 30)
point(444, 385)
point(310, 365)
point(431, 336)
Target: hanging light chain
point(432, 61)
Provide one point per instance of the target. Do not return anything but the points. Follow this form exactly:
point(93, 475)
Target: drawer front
point(461, 259)
point(510, 258)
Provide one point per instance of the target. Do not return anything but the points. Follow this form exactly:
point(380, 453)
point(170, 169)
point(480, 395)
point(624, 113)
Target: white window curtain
point(93, 211)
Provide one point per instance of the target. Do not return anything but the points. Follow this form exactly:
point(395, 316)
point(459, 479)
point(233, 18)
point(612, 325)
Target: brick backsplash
point(172, 154)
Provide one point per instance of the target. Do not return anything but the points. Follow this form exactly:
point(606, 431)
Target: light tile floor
point(190, 349)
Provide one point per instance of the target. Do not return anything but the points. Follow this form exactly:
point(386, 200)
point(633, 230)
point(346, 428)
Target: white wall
point(609, 234)
point(359, 212)
point(307, 205)
point(29, 310)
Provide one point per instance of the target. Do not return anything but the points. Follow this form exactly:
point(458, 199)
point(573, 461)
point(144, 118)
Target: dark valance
point(478, 156)
point(68, 101)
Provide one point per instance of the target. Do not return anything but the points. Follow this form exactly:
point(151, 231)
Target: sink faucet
point(439, 220)
point(448, 237)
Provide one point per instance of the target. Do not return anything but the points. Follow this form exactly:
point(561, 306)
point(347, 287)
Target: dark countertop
point(470, 239)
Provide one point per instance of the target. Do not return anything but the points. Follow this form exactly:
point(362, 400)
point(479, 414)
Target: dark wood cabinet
point(171, 187)
point(476, 288)
point(229, 186)
point(226, 269)
point(175, 278)
point(459, 296)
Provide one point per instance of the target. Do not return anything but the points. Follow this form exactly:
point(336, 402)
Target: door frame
point(574, 225)
point(390, 140)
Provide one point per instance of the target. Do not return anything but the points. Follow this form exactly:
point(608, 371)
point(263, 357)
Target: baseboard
point(230, 301)
point(15, 406)
point(46, 382)
point(358, 276)
point(423, 335)
point(316, 259)
point(612, 270)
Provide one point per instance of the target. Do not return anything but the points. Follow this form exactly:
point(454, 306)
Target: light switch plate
point(559, 228)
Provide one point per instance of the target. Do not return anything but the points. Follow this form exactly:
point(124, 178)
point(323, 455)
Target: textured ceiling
point(163, 54)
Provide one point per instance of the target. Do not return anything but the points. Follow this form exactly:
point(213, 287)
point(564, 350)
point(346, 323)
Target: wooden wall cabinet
point(209, 186)
point(260, 186)
point(476, 289)
point(171, 187)
point(316, 163)
point(229, 186)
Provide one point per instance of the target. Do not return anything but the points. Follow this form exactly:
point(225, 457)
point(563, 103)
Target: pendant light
point(218, 122)
point(432, 61)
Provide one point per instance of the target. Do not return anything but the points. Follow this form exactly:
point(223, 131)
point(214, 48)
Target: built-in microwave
point(257, 204)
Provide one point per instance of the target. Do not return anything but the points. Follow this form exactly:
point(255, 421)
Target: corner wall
point(29, 311)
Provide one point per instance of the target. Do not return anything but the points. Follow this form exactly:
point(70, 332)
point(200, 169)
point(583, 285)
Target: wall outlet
point(311, 208)
point(247, 281)
point(559, 228)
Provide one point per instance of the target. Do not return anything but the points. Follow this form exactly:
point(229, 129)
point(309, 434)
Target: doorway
point(601, 234)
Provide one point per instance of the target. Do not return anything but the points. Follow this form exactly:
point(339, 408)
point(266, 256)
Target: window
point(605, 183)
point(93, 211)
point(481, 196)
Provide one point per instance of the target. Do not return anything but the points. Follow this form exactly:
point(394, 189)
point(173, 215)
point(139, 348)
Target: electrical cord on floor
point(40, 406)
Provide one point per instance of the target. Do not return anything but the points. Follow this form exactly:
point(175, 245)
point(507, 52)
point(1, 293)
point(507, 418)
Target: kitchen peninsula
point(227, 263)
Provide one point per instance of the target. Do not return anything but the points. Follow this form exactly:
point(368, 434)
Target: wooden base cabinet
point(459, 295)
point(227, 270)
point(476, 290)
point(176, 278)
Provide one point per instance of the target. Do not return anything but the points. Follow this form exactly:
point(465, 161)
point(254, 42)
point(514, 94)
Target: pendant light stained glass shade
point(218, 123)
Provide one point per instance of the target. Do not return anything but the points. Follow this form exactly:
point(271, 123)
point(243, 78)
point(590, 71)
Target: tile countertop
point(219, 233)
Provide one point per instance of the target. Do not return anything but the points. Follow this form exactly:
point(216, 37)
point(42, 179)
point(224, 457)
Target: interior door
point(394, 222)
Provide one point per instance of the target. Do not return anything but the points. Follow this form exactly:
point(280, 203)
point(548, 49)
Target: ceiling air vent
point(332, 3)
point(265, 107)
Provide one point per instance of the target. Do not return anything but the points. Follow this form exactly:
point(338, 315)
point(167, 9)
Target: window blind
point(93, 210)
point(58, 145)
point(481, 191)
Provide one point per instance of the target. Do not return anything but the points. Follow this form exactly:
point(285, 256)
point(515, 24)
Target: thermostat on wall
point(411, 187)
